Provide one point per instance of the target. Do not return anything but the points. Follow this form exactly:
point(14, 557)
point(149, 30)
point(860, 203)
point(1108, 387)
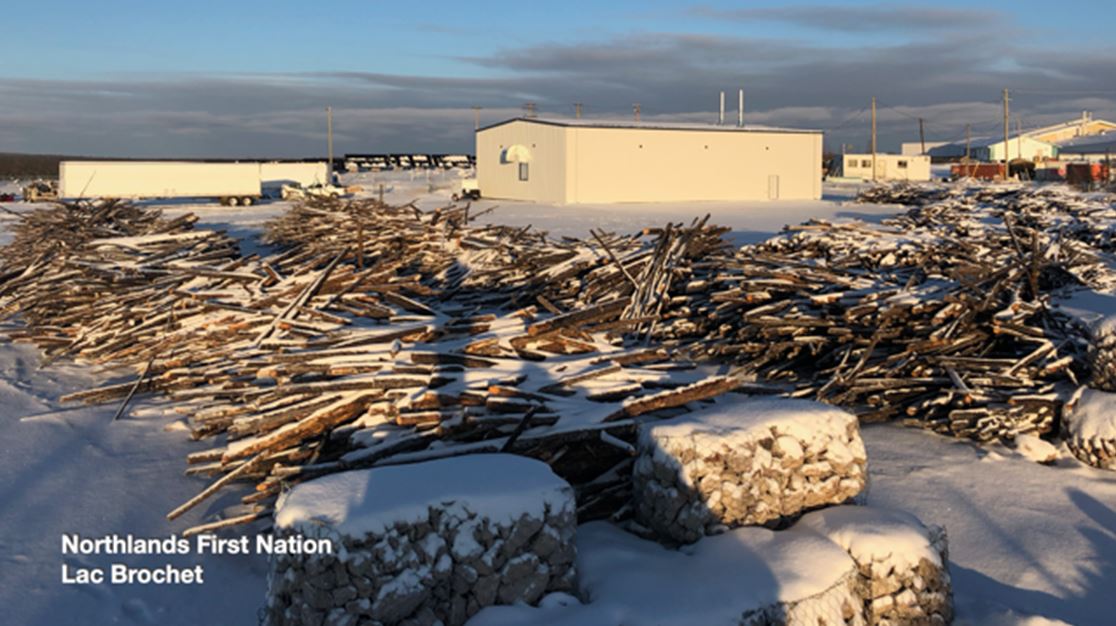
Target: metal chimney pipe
point(740, 110)
point(721, 120)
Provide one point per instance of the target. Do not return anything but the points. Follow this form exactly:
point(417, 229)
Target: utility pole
point(921, 136)
point(1007, 131)
point(721, 119)
point(873, 137)
point(968, 141)
point(577, 110)
point(740, 109)
point(531, 107)
point(476, 118)
point(635, 110)
point(329, 143)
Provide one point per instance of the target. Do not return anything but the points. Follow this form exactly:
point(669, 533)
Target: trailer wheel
point(246, 201)
point(233, 201)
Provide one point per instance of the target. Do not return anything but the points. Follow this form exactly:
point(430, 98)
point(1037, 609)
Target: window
point(866, 163)
point(902, 165)
point(850, 162)
point(522, 171)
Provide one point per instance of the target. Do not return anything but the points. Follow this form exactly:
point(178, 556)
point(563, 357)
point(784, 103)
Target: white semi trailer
point(232, 183)
point(275, 174)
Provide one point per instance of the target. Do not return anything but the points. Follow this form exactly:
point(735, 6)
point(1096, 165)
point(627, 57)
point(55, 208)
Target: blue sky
point(225, 78)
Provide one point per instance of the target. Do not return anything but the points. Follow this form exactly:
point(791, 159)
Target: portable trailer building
point(888, 167)
point(594, 161)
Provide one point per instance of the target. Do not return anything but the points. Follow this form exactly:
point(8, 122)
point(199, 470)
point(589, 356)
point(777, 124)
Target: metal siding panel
point(694, 165)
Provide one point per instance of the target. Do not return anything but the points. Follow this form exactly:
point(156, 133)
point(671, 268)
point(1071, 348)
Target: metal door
point(773, 187)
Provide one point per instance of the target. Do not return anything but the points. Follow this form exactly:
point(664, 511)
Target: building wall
point(912, 148)
point(1096, 157)
point(1018, 147)
point(664, 165)
point(546, 171)
point(888, 167)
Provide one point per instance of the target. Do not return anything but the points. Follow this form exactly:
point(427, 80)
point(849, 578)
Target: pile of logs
point(380, 335)
point(101, 281)
point(910, 194)
point(333, 354)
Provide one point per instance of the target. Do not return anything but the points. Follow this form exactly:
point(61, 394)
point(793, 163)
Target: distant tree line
point(30, 165)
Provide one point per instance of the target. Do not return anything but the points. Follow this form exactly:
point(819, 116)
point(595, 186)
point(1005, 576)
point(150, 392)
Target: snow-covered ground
point(73, 470)
point(1025, 539)
point(750, 221)
point(1028, 543)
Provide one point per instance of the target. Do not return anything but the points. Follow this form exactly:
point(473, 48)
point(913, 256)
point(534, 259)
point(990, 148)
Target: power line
point(853, 117)
point(1069, 92)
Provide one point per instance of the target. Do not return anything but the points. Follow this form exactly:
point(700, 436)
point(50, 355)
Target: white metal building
point(991, 149)
point(593, 161)
point(888, 167)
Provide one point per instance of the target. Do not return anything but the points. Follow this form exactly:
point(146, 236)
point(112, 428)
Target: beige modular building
point(888, 167)
point(592, 161)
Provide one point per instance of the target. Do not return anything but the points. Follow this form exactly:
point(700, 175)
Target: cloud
point(861, 19)
point(948, 79)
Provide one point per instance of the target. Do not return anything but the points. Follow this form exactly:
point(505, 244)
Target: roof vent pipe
point(721, 120)
point(740, 110)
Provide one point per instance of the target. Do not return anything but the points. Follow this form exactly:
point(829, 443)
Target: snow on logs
point(902, 563)
point(1102, 354)
point(747, 461)
point(1090, 427)
point(423, 543)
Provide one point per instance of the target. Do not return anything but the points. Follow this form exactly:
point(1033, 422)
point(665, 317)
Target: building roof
point(650, 124)
point(1074, 123)
point(883, 155)
point(1101, 144)
point(1088, 140)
